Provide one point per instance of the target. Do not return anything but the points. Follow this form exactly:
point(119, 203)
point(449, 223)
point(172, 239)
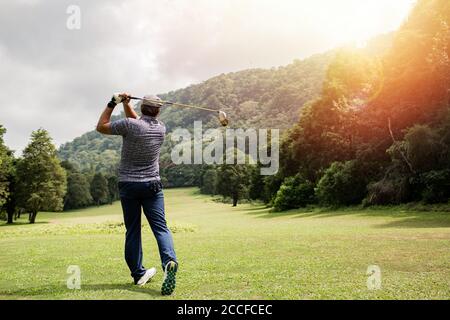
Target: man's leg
point(154, 211)
point(133, 244)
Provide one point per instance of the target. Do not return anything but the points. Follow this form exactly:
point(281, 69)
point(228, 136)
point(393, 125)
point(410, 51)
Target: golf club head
point(223, 119)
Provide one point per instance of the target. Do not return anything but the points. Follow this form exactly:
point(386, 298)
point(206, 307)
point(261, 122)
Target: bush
point(271, 186)
point(256, 190)
point(343, 183)
point(294, 193)
point(388, 191)
point(422, 148)
point(437, 186)
point(209, 182)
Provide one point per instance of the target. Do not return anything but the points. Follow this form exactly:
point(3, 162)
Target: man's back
point(142, 140)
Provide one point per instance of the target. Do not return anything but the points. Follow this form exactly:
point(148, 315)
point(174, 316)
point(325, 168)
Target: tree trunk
point(10, 217)
point(11, 202)
point(33, 217)
point(10, 210)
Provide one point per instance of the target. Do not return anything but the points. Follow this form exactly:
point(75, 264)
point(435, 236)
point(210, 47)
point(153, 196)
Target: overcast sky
point(60, 79)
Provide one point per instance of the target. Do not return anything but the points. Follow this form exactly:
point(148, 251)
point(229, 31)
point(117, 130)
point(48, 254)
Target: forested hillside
point(256, 98)
point(380, 132)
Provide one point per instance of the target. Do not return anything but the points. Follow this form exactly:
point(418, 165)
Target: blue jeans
point(150, 197)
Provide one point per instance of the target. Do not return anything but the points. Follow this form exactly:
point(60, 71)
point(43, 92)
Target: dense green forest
point(39, 181)
point(379, 133)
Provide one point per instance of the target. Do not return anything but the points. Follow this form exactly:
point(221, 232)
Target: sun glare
point(348, 21)
point(357, 21)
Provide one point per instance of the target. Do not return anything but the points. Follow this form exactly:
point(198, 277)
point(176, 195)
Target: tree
point(5, 168)
point(41, 181)
point(437, 186)
point(209, 182)
point(328, 127)
point(343, 183)
point(233, 181)
point(271, 186)
point(99, 189)
point(78, 191)
point(294, 193)
point(113, 189)
point(256, 189)
point(11, 202)
point(78, 188)
point(419, 168)
point(423, 148)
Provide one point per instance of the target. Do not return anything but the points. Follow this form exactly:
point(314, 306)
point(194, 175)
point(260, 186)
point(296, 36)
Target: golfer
point(140, 185)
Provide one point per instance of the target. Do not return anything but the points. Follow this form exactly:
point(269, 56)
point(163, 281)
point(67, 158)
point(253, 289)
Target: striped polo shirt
point(142, 140)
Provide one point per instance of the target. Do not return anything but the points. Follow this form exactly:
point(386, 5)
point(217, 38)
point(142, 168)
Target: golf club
point(223, 119)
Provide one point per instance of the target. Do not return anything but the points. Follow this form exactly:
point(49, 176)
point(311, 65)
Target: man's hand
point(104, 123)
point(129, 111)
point(125, 98)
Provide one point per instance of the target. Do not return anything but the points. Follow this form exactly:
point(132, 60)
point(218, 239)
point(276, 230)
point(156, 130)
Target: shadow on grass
point(254, 210)
point(121, 286)
point(52, 290)
point(416, 222)
point(22, 223)
point(403, 218)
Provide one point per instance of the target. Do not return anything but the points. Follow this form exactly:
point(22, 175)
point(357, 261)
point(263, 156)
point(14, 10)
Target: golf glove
point(115, 100)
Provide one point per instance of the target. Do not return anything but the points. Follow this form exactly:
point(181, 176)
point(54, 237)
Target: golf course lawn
point(233, 253)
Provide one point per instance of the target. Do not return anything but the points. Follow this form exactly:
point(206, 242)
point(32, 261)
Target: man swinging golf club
point(140, 185)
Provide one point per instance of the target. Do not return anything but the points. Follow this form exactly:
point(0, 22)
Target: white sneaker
point(148, 275)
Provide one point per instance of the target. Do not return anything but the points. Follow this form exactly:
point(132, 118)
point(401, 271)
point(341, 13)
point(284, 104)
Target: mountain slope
point(255, 98)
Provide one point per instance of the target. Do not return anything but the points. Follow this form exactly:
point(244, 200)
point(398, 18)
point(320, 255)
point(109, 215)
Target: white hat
point(152, 101)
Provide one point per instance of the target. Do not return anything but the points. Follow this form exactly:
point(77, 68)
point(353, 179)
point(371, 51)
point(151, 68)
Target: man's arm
point(129, 111)
point(104, 123)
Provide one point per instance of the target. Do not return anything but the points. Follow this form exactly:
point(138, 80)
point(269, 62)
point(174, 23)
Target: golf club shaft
point(176, 104)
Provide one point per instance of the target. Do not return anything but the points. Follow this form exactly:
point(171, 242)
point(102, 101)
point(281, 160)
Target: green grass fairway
point(233, 253)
